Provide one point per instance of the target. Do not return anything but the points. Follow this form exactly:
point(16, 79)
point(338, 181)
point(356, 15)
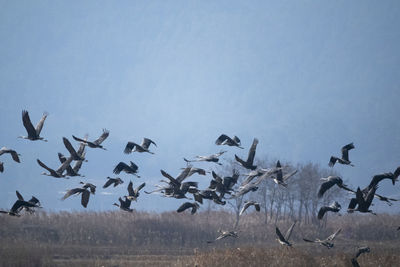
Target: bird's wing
point(17, 205)
point(1, 166)
point(85, 198)
point(109, 182)
point(221, 139)
point(289, 231)
point(217, 178)
point(237, 140)
point(129, 147)
point(245, 206)
point(147, 142)
point(77, 165)
point(321, 212)
point(120, 166)
point(79, 139)
point(353, 203)
point(130, 189)
point(252, 151)
point(172, 179)
point(287, 176)
point(183, 174)
point(39, 126)
point(44, 166)
point(360, 197)
point(137, 189)
point(184, 206)
point(331, 237)
point(280, 236)
point(308, 240)
point(14, 156)
point(345, 151)
point(19, 196)
point(102, 137)
point(332, 161)
point(82, 146)
point(370, 195)
point(257, 206)
point(325, 186)
point(70, 148)
point(28, 124)
point(64, 165)
point(379, 177)
point(72, 192)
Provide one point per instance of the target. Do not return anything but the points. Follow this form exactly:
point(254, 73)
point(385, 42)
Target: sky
point(304, 77)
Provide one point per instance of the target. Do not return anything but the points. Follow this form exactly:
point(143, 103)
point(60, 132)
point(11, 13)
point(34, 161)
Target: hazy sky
point(304, 77)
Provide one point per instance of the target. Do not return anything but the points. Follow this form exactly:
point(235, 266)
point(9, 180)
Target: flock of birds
point(219, 190)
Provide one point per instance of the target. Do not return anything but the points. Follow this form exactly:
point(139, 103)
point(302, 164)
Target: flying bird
point(130, 169)
point(133, 194)
point(97, 142)
point(33, 133)
point(345, 156)
point(223, 139)
point(248, 164)
point(187, 205)
point(116, 181)
point(144, 147)
point(362, 201)
point(247, 204)
point(334, 207)
point(33, 200)
point(224, 234)
point(72, 151)
point(326, 242)
point(211, 158)
point(329, 182)
point(284, 240)
point(124, 204)
point(72, 171)
point(13, 153)
point(56, 173)
point(280, 179)
point(84, 191)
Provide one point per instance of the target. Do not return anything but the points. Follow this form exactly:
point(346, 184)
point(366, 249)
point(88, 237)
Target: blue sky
point(304, 77)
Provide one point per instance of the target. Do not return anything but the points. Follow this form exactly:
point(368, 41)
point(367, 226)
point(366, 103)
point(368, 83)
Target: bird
point(345, 156)
point(56, 173)
point(130, 169)
point(14, 154)
point(187, 205)
point(194, 170)
point(284, 240)
point(18, 206)
point(225, 234)
point(72, 171)
point(223, 139)
point(91, 187)
point(85, 194)
point(280, 179)
point(97, 142)
point(334, 207)
point(33, 200)
point(33, 133)
point(329, 182)
point(211, 158)
point(1, 166)
point(362, 202)
point(326, 242)
point(144, 147)
point(124, 204)
point(72, 151)
point(248, 164)
point(247, 204)
point(116, 181)
point(133, 194)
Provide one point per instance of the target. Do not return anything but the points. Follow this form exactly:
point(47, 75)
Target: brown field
point(171, 239)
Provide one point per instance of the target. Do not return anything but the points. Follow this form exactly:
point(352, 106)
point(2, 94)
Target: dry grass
point(170, 239)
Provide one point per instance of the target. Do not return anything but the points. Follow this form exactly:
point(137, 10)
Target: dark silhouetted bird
point(144, 147)
point(345, 156)
point(97, 142)
point(33, 133)
point(248, 164)
point(223, 139)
